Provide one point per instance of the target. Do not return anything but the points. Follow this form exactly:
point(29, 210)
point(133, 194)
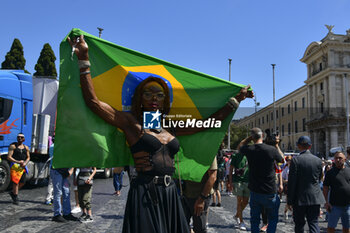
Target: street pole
point(274, 98)
point(229, 126)
point(99, 31)
point(347, 109)
point(256, 108)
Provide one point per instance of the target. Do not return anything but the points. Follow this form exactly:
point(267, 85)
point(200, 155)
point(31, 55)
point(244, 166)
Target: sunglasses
point(150, 95)
point(21, 137)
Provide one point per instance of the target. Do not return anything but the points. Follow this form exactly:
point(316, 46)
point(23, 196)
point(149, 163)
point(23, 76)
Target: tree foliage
point(46, 62)
point(237, 135)
point(14, 59)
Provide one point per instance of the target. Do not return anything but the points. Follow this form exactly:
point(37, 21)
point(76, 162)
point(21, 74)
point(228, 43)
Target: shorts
point(220, 175)
point(241, 189)
point(216, 185)
point(23, 177)
point(337, 212)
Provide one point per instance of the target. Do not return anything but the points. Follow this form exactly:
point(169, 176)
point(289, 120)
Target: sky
point(197, 34)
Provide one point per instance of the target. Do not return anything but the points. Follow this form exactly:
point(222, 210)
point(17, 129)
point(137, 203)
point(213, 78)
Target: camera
point(271, 139)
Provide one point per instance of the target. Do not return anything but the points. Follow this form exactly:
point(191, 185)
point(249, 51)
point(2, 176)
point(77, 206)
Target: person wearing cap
point(262, 178)
point(18, 156)
point(304, 192)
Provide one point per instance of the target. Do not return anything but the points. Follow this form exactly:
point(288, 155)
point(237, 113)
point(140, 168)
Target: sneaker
point(70, 217)
point(242, 226)
point(237, 220)
point(14, 198)
point(58, 218)
point(82, 217)
point(218, 205)
point(286, 216)
point(76, 210)
point(213, 204)
point(48, 202)
point(88, 218)
point(264, 228)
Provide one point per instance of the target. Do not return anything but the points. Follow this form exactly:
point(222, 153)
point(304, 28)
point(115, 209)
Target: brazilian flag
point(83, 139)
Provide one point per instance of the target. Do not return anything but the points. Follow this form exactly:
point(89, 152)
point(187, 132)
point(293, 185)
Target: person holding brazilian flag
point(119, 88)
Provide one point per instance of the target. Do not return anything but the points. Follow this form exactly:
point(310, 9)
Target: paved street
point(108, 210)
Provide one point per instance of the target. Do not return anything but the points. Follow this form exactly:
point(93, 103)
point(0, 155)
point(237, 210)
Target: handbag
point(83, 179)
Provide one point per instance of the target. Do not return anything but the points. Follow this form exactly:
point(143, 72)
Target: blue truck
point(19, 113)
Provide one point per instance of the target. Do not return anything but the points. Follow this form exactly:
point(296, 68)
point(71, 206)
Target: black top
point(160, 155)
point(19, 154)
point(339, 182)
point(262, 175)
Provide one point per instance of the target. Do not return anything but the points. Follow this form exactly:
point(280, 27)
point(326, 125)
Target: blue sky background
point(198, 34)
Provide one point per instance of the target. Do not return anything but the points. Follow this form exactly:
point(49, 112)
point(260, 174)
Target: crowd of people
point(253, 177)
point(257, 174)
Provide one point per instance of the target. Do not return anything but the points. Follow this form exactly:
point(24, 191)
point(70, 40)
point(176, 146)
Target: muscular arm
point(199, 204)
point(100, 108)
point(28, 157)
point(327, 205)
point(210, 182)
point(280, 182)
point(10, 154)
point(280, 153)
point(244, 142)
point(230, 183)
point(222, 113)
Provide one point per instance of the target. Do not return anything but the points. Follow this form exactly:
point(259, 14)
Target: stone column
point(325, 93)
point(315, 145)
point(331, 58)
point(332, 92)
point(311, 100)
point(327, 142)
point(334, 137)
point(344, 94)
point(346, 143)
point(315, 102)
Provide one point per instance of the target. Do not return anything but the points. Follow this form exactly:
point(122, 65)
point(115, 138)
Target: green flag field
point(84, 140)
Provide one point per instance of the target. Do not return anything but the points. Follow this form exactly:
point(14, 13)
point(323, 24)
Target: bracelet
point(84, 64)
point(233, 103)
point(85, 72)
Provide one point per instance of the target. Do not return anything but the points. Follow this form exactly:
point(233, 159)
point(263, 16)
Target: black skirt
point(142, 215)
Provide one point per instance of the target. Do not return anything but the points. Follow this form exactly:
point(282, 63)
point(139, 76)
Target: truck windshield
point(5, 109)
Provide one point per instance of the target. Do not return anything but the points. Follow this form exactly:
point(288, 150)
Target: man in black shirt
point(262, 178)
point(18, 155)
point(338, 179)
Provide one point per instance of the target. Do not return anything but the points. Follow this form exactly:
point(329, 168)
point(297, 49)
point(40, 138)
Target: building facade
point(291, 118)
point(319, 108)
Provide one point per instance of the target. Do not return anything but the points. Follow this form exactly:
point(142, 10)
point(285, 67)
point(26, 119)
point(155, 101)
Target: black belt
point(166, 180)
point(152, 181)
